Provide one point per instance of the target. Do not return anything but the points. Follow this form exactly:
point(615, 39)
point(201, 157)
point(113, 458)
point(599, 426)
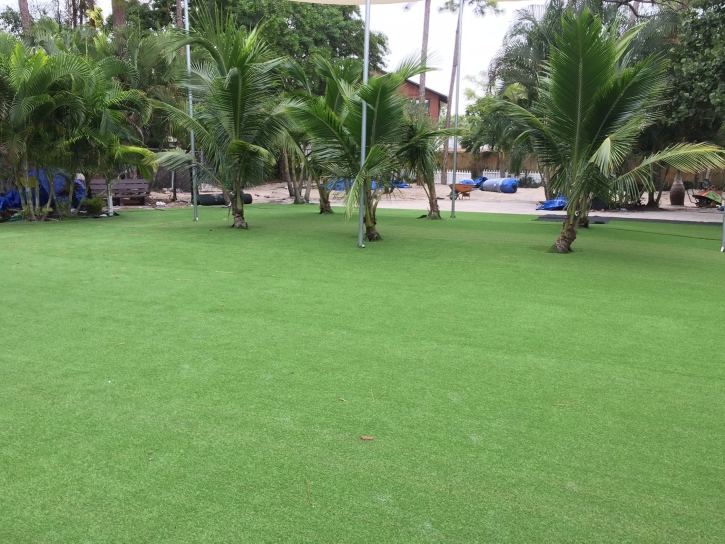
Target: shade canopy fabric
point(355, 2)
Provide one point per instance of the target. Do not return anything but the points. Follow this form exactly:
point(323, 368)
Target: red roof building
point(433, 99)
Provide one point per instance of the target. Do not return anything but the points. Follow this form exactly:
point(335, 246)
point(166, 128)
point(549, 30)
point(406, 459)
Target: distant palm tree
point(25, 20)
point(118, 9)
point(424, 51)
point(335, 135)
point(593, 104)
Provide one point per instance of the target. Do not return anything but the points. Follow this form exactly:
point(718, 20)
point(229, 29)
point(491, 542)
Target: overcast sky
point(482, 36)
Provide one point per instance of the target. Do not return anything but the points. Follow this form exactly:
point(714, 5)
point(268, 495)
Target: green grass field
point(163, 381)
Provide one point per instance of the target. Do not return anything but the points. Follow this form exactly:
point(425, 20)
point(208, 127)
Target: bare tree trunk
point(24, 16)
point(119, 13)
point(501, 165)
point(424, 51)
point(179, 14)
point(444, 170)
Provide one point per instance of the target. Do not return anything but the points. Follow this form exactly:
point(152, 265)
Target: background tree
point(698, 73)
point(301, 31)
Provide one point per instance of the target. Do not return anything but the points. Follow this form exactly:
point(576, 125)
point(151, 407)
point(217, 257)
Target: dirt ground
point(413, 198)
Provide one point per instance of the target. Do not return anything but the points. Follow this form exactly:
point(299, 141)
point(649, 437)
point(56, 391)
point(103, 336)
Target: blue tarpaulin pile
point(558, 203)
point(479, 182)
point(11, 199)
point(500, 185)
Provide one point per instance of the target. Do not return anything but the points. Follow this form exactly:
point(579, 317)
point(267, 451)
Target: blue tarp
point(10, 201)
point(338, 184)
point(500, 185)
point(558, 203)
point(465, 182)
point(479, 182)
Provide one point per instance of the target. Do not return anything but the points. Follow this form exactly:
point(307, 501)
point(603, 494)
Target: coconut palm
point(417, 155)
point(238, 123)
point(593, 104)
point(335, 135)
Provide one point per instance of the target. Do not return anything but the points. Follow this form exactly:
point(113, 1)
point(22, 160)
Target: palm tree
point(335, 135)
point(24, 16)
point(238, 123)
point(424, 51)
point(118, 9)
point(417, 155)
point(34, 97)
point(106, 141)
point(593, 104)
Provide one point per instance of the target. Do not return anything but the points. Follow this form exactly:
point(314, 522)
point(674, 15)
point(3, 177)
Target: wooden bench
point(122, 188)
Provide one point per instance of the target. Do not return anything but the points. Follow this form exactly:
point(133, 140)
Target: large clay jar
point(677, 191)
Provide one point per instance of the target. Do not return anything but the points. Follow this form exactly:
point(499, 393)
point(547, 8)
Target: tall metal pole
point(722, 246)
point(364, 136)
point(458, 100)
point(191, 112)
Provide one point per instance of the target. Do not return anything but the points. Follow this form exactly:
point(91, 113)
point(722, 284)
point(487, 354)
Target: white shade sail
point(355, 2)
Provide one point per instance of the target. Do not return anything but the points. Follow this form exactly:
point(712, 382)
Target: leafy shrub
point(527, 182)
point(94, 205)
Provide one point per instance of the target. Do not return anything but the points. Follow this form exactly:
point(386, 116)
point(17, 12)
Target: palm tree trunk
point(568, 233)
point(444, 170)
point(370, 229)
point(109, 195)
point(179, 14)
point(24, 16)
point(238, 206)
point(295, 186)
point(308, 188)
point(583, 213)
point(90, 6)
point(501, 165)
point(430, 190)
point(424, 51)
point(324, 197)
point(284, 170)
point(29, 200)
point(119, 13)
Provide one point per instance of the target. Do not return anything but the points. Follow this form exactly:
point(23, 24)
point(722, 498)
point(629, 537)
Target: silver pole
point(364, 135)
point(722, 246)
point(458, 101)
point(191, 112)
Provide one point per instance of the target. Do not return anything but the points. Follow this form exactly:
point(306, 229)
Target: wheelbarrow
point(463, 190)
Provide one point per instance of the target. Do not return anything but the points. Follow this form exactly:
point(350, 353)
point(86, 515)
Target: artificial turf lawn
point(521, 396)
